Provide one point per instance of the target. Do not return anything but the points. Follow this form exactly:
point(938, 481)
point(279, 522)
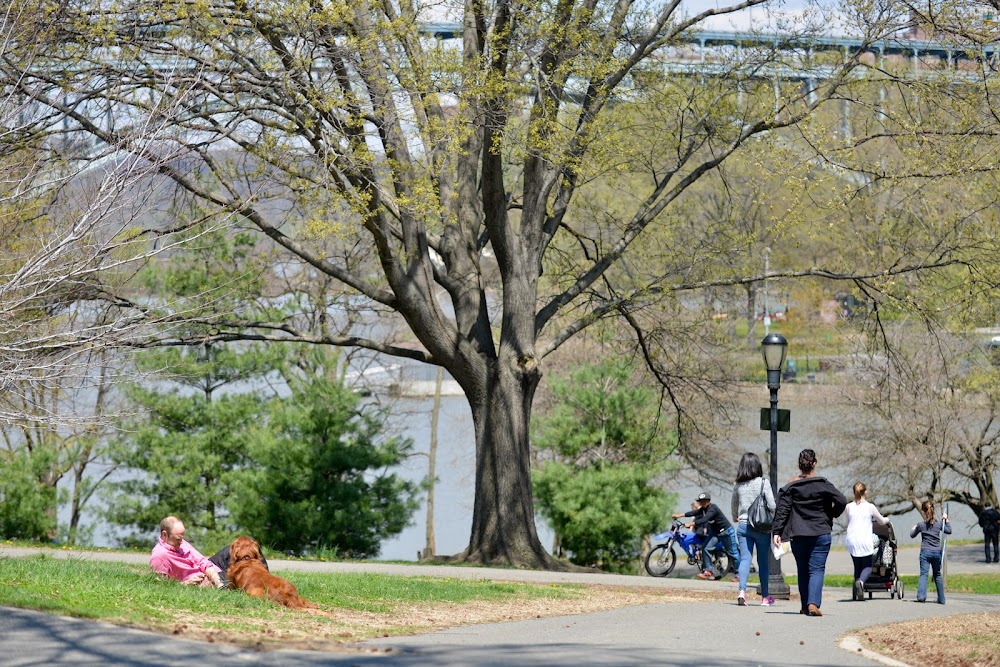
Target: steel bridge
point(922, 53)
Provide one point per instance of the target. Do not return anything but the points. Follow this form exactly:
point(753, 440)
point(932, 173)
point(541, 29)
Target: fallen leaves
point(968, 640)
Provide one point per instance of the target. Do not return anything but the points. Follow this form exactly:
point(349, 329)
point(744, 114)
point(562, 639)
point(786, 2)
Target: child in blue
point(713, 527)
point(930, 549)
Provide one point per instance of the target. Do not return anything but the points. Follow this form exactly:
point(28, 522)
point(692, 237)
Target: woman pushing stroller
point(861, 515)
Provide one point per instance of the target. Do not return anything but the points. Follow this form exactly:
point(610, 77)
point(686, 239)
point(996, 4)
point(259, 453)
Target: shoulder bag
point(759, 515)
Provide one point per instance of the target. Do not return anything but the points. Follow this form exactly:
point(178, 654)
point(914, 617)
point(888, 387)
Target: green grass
point(384, 593)
point(982, 584)
point(132, 595)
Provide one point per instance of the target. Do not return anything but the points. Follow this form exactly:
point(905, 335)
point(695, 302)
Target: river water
point(812, 419)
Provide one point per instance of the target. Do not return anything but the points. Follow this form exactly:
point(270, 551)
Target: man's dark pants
point(991, 537)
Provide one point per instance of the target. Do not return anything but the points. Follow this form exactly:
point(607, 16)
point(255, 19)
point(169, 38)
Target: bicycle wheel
point(723, 565)
point(660, 560)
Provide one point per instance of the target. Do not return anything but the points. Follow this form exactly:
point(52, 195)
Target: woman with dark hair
point(930, 549)
point(807, 506)
point(750, 484)
point(861, 515)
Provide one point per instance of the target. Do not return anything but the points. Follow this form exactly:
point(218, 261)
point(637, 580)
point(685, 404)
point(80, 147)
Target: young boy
point(711, 524)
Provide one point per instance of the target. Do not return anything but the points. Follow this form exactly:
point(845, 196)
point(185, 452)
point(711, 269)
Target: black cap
point(703, 496)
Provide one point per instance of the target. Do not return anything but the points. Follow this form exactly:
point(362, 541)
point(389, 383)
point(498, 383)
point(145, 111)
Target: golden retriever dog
point(248, 574)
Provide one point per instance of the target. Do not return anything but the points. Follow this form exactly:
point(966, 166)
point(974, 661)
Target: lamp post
point(774, 347)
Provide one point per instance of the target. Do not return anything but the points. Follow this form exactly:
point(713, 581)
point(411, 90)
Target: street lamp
point(774, 347)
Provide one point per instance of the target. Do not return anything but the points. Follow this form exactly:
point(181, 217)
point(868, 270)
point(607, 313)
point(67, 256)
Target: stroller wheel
point(901, 588)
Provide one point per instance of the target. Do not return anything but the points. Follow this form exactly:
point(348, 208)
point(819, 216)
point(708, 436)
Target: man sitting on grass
point(173, 557)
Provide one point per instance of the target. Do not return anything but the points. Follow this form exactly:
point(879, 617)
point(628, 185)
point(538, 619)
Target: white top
point(860, 516)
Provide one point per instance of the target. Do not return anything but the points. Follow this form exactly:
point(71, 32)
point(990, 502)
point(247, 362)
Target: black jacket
point(807, 507)
point(710, 521)
point(990, 520)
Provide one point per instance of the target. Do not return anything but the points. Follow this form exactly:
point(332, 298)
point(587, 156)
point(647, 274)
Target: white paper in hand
point(780, 551)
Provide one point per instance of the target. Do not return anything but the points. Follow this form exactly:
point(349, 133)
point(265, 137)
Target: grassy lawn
point(132, 595)
point(356, 607)
point(353, 606)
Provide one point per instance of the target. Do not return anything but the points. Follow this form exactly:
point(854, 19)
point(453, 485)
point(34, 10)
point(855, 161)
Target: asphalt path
point(697, 633)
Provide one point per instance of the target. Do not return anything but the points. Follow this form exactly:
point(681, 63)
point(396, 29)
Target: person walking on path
point(989, 521)
point(861, 515)
point(750, 484)
point(807, 506)
point(930, 549)
point(712, 526)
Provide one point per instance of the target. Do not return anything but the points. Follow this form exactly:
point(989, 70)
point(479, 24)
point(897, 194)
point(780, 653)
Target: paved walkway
point(673, 634)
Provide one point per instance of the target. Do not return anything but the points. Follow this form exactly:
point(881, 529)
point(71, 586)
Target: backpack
point(759, 515)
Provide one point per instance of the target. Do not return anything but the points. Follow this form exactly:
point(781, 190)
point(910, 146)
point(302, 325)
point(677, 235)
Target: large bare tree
point(928, 423)
point(70, 214)
point(487, 186)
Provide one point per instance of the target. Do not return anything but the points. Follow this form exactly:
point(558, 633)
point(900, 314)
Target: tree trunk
point(76, 504)
point(644, 548)
point(751, 317)
point(429, 546)
point(503, 520)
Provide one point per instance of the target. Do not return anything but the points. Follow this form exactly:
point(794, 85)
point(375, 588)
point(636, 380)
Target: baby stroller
point(884, 577)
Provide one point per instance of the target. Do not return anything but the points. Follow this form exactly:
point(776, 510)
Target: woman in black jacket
point(807, 506)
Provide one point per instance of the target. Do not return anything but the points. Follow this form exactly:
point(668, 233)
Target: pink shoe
point(767, 602)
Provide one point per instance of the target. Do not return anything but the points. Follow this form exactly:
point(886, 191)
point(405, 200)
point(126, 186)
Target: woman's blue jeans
point(930, 560)
point(748, 539)
point(810, 562)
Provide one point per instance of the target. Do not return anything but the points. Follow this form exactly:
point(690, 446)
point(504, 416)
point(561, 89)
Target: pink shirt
point(180, 564)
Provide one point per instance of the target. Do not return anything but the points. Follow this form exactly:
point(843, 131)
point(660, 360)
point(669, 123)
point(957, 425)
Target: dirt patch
point(339, 629)
point(970, 640)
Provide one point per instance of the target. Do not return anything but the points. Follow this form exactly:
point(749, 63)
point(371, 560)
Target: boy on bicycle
point(711, 524)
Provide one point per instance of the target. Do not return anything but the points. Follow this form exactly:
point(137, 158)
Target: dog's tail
point(299, 602)
point(316, 611)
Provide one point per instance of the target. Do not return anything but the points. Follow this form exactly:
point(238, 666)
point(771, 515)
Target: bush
point(600, 513)
point(27, 506)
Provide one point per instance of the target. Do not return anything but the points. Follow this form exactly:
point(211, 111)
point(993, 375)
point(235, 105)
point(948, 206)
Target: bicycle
point(661, 559)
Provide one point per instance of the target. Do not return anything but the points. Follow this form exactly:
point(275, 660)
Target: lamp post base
point(777, 587)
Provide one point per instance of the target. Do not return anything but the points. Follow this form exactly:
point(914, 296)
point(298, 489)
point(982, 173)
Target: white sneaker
point(741, 599)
